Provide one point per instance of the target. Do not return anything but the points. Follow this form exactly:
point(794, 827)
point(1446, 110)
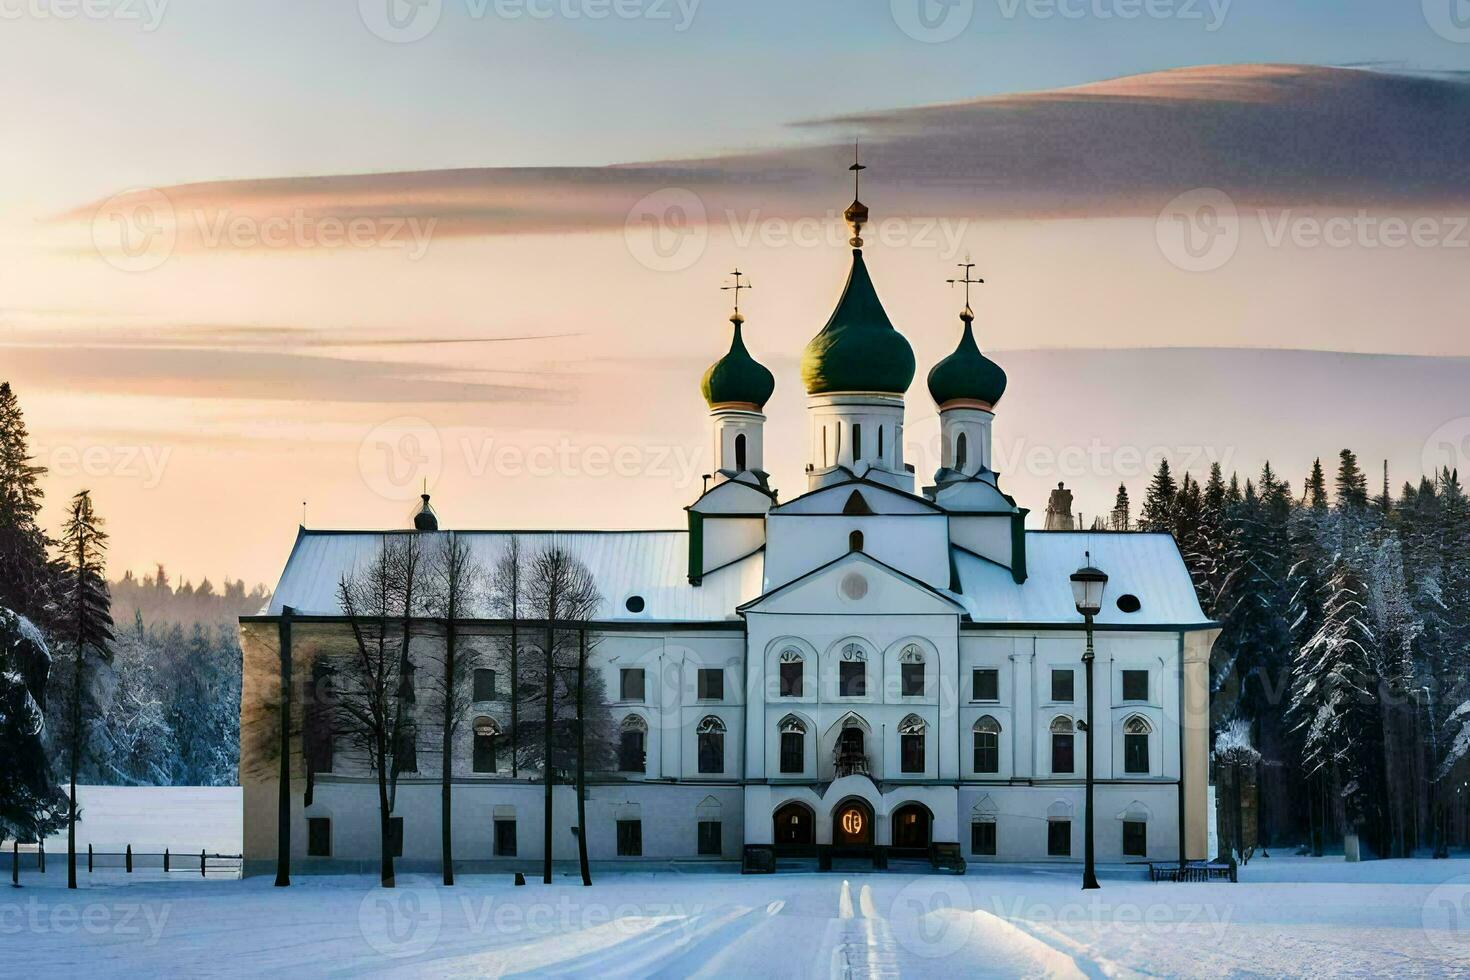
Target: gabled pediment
point(855, 584)
point(877, 498)
point(734, 497)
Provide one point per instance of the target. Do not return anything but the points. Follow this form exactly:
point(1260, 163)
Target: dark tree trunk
point(515, 690)
point(283, 790)
point(385, 813)
point(548, 695)
point(582, 758)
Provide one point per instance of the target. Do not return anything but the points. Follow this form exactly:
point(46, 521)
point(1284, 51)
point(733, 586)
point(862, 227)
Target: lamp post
point(1087, 591)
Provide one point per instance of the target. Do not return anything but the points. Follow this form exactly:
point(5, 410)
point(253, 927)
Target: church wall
point(727, 539)
point(989, 537)
point(917, 545)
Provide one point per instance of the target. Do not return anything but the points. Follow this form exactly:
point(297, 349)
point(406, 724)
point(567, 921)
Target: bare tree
point(507, 601)
point(368, 702)
point(561, 592)
point(455, 581)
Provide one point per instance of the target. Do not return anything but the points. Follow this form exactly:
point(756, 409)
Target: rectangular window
point(852, 678)
point(631, 757)
point(912, 677)
point(1135, 754)
point(857, 441)
point(711, 684)
point(484, 754)
point(1061, 685)
point(1061, 753)
point(484, 684)
point(1135, 838)
point(987, 752)
point(395, 836)
point(505, 838)
point(711, 752)
point(318, 837)
point(911, 748)
point(630, 684)
point(1135, 685)
point(793, 752)
point(982, 837)
point(986, 682)
point(791, 678)
point(1059, 838)
point(630, 838)
point(709, 838)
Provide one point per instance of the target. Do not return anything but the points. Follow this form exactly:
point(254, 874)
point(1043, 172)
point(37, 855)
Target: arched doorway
point(795, 825)
point(852, 824)
point(911, 825)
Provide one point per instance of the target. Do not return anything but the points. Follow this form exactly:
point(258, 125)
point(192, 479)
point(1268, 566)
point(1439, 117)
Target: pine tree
point(26, 575)
point(1158, 503)
point(86, 628)
point(1121, 521)
point(32, 805)
point(1352, 484)
point(1315, 494)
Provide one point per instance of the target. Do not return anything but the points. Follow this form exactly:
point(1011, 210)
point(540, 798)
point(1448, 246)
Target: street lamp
point(1087, 591)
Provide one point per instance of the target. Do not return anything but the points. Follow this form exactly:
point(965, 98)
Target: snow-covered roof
point(1148, 566)
point(651, 564)
point(655, 566)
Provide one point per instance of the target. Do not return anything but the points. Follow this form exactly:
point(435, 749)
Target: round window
point(634, 604)
point(854, 585)
point(1128, 603)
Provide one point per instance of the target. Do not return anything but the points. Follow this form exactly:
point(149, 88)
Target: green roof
point(858, 349)
point(737, 377)
point(967, 373)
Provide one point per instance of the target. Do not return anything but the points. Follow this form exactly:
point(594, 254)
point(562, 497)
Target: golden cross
point(857, 169)
point(737, 287)
point(967, 265)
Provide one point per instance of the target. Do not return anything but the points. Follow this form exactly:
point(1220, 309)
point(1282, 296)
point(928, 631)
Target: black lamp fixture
point(1088, 584)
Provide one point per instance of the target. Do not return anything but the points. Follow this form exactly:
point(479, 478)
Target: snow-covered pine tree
point(1158, 503)
point(84, 628)
point(1352, 483)
point(32, 805)
point(27, 577)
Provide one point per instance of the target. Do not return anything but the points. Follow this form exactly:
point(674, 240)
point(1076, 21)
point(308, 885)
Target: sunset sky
point(262, 253)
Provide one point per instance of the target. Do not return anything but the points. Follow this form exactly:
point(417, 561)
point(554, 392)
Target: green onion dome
point(967, 374)
point(737, 377)
point(858, 349)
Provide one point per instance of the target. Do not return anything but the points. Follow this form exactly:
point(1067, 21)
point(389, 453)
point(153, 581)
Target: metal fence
point(33, 859)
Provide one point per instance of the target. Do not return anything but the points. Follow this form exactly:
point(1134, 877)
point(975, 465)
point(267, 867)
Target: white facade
point(862, 666)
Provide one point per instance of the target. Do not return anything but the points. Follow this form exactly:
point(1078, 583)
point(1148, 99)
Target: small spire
point(737, 318)
point(857, 212)
point(967, 314)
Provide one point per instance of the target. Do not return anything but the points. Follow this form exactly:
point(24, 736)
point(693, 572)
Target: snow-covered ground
point(1288, 916)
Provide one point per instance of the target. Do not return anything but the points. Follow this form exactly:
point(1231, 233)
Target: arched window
point(855, 541)
point(825, 458)
point(632, 744)
point(852, 672)
point(793, 673)
point(857, 441)
point(911, 744)
point(486, 732)
point(710, 734)
point(987, 745)
point(793, 745)
point(880, 443)
point(740, 452)
point(1136, 731)
point(911, 671)
point(1062, 737)
point(961, 451)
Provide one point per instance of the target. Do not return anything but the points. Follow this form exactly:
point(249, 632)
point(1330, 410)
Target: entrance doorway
point(852, 824)
point(911, 827)
point(795, 826)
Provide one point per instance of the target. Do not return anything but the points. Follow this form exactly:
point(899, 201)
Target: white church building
point(864, 666)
